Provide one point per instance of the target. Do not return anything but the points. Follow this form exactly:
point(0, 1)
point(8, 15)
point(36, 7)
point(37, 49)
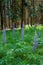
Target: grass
point(18, 52)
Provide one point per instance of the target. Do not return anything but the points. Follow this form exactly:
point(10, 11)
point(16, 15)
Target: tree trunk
point(31, 21)
point(13, 19)
point(13, 28)
point(1, 12)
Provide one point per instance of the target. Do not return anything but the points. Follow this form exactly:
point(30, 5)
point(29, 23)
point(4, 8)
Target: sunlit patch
point(39, 27)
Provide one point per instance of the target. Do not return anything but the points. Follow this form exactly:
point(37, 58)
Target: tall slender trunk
point(1, 21)
point(9, 21)
point(4, 16)
point(1, 12)
point(31, 21)
point(42, 13)
point(32, 3)
point(9, 6)
point(13, 19)
point(22, 14)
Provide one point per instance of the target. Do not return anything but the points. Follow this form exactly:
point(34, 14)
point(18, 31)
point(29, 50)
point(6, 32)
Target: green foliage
point(18, 52)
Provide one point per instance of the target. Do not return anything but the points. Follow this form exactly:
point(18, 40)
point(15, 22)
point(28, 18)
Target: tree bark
point(1, 12)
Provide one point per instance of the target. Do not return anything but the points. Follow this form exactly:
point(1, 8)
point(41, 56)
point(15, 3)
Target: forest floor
point(20, 52)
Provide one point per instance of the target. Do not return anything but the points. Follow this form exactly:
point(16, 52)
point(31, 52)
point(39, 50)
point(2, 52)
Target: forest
point(21, 32)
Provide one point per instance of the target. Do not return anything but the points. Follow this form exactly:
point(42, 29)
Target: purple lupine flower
point(22, 32)
point(4, 35)
point(35, 44)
